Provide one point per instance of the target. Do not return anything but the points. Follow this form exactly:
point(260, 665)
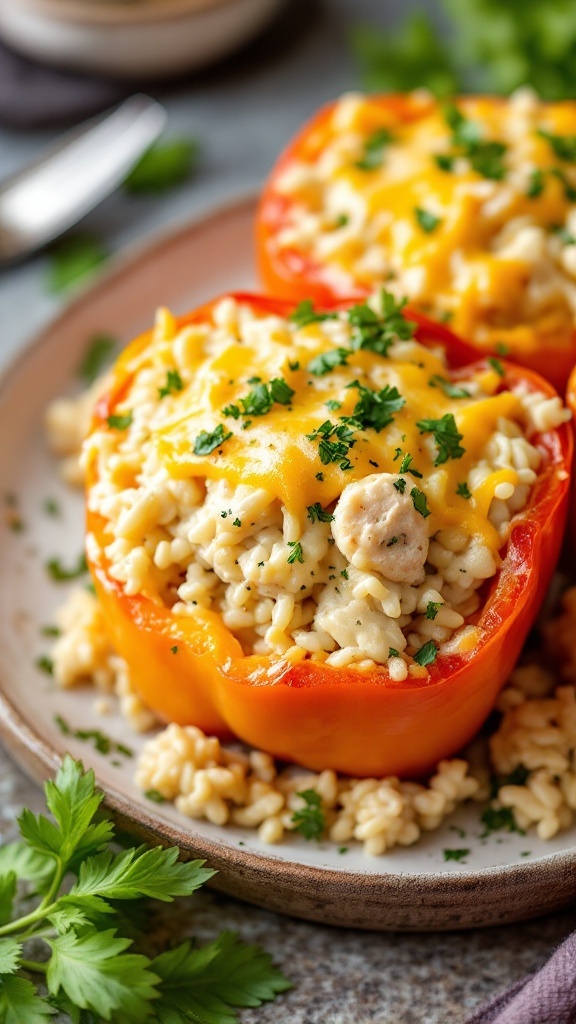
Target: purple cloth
point(547, 997)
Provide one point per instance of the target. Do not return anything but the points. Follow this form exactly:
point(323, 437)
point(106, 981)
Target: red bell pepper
point(316, 715)
point(291, 273)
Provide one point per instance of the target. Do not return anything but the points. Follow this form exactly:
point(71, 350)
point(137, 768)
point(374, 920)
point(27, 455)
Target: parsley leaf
point(207, 441)
point(203, 984)
point(330, 450)
point(97, 356)
point(446, 436)
point(163, 166)
point(310, 819)
point(419, 502)
point(485, 156)
point(463, 491)
point(88, 969)
point(496, 366)
point(119, 422)
point(457, 855)
point(377, 334)
point(374, 148)
point(296, 554)
point(327, 361)
point(449, 389)
point(426, 220)
point(427, 654)
point(316, 514)
point(535, 183)
point(173, 384)
point(59, 573)
point(375, 409)
point(305, 314)
point(73, 259)
point(432, 609)
point(496, 819)
point(564, 146)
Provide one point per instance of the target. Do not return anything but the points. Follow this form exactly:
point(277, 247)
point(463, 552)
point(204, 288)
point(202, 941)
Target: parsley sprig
point(374, 409)
point(375, 147)
point(310, 819)
point(486, 156)
point(378, 333)
point(261, 398)
point(446, 436)
point(69, 938)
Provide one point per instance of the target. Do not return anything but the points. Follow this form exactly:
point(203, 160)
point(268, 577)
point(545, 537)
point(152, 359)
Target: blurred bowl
point(131, 38)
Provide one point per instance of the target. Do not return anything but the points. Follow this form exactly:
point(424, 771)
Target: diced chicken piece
point(378, 529)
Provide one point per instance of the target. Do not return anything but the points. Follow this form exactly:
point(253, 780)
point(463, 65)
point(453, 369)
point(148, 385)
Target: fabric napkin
point(547, 997)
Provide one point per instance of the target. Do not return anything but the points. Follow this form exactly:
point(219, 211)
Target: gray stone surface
point(243, 112)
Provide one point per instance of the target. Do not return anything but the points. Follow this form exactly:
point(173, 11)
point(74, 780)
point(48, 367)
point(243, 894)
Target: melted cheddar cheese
point(280, 450)
point(467, 210)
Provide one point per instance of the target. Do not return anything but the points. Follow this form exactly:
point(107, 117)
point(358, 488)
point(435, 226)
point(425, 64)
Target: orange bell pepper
point(546, 345)
point(193, 670)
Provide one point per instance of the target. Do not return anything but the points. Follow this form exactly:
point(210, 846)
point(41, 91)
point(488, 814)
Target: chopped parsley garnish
point(374, 409)
point(426, 220)
point(261, 398)
point(59, 573)
point(427, 654)
point(432, 609)
point(377, 334)
point(327, 361)
point(406, 464)
point(207, 441)
point(400, 485)
point(45, 664)
point(341, 220)
point(51, 631)
point(305, 314)
point(446, 436)
point(310, 820)
point(444, 161)
point(569, 190)
point(499, 819)
point(293, 366)
point(237, 522)
point(163, 166)
point(485, 156)
point(344, 573)
point(502, 349)
point(320, 477)
point(317, 514)
point(374, 149)
point(564, 235)
point(173, 384)
point(332, 404)
point(517, 777)
point(97, 356)
point(393, 653)
point(419, 502)
point(296, 554)
point(564, 146)
point(51, 507)
point(174, 649)
point(497, 366)
point(102, 743)
point(449, 389)
point(463, 491)
point(333, 450)
point(535, 183)
point(457, 855)
point(120, 422)
point(155, 796)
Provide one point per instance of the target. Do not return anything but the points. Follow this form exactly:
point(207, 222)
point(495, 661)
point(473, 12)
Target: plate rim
point(39, 759)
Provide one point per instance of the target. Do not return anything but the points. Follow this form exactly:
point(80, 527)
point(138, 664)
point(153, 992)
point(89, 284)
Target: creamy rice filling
point(212, 543)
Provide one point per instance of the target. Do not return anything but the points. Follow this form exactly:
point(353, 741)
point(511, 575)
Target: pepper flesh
point(294, 275)
point(193, 671)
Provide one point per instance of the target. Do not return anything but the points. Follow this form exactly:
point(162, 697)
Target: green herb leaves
point(90, 967)
point(377, 333)
point(419, 502)
point(374, 148)
point(207, 441)
point(427, 654)
point(261, 398)
point(446, 436)
point(327, 361)
point(316, 514)
point(174, 383)
point(96, 357)
point(374, 409)
point(335, 443)
point(310, 820)
point(305, 314)
point(426, 220)
point(73, 259)
point(486, 157)
point(120, 421)
point(60, 573)
point(564, 146)
point(163, 166)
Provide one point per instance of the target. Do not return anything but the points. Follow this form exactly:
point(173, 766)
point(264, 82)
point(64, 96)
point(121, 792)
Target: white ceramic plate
point(505, 876)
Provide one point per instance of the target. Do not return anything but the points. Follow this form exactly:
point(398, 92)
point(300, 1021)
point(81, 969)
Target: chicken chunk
point(378, 529)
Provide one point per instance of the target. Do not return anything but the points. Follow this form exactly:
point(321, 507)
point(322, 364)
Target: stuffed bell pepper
point(326, 532)
point(467, 207)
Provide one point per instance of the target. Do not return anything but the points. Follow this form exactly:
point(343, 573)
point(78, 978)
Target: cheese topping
point(324, 482)
point(468, 210)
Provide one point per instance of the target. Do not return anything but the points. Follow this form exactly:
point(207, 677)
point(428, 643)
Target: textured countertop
point(243, 112)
